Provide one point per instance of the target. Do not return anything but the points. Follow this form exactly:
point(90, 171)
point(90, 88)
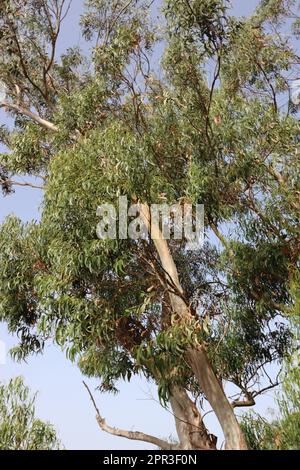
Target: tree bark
point(196, 357)
point(191, 430)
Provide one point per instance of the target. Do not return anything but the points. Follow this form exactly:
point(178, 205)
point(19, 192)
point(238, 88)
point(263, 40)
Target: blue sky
point(62, 398)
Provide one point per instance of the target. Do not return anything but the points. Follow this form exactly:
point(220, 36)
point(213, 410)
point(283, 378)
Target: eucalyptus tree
point(19, 427)
point(182, 109)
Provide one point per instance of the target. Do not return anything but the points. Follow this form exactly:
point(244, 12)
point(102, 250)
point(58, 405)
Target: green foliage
point(31, 152)
point(283, 433)
point(19, 428)
point(19, 258)
point(204, 126)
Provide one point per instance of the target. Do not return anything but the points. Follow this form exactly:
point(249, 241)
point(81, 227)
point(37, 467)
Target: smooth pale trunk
point(196, 357)
point(191, 431)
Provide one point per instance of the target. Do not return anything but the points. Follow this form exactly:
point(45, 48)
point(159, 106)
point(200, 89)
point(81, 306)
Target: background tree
point(19, 428)
point(283, 432)
point(206, 126)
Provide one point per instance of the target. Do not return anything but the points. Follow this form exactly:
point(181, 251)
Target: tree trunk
point(191, 431)
point(196, 357)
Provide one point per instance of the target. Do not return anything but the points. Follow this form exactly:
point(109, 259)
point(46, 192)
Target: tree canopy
point(195, 107)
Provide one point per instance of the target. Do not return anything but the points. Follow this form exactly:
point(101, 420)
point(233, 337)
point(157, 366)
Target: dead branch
point(133, 435)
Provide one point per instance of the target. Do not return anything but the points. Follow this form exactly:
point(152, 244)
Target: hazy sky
point(62, 398)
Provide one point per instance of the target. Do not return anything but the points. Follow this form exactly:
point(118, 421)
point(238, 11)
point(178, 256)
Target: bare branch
point(249, 401)
point(20, 183)
point(266, 389)
point(26, 112)
point(133, 435)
